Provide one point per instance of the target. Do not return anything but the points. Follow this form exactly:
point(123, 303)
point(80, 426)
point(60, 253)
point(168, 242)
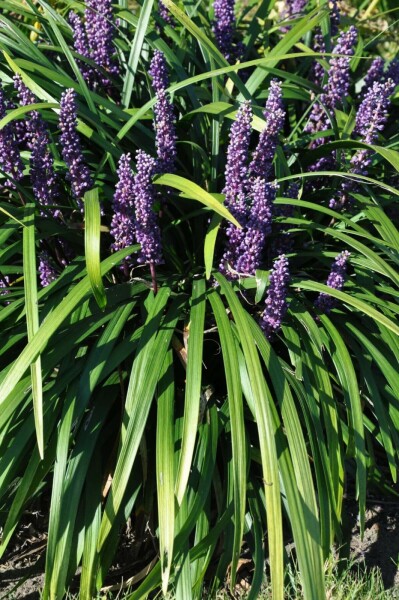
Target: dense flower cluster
point(248, 195)
point(42, 174)
point(47, 271)
point(94, 40)
point(236, 176)
point(292, 8)
point(159, 71)
point(336, 279)
point(379, 72)
point(165, 14)
point(122, 224)
point(100, 31)
point(276, 300)
point(224, 26)
point(10, 160)
point(146, 223)
point(81, 46)
point(236, 173)
point(164, 122)
point(371, 118)
point(79, 174)
point(337, 85)
point(259, 226)
point(274, 113)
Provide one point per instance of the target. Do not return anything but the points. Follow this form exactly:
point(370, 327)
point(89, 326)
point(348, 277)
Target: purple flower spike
point(100, 31)
point(224, 26)
point(336, 279)
point(236, 177)
point(42, 173)
point(164, 123)
point(165, 14)
point(81, 46)
point(274, 113)
point(393, 71)
point(4, 283)
point(165, 134)
point(337, 86)
point(10, 160)
point(338, 76)
point(122, 224)
point(79, 174)
point(159, 71)
point(47, 272)
point(147, 229)
point(372, 113)
point(259, 226)
point(44, 181)
point(276, 302)
point(236, 173)
point(375, 73)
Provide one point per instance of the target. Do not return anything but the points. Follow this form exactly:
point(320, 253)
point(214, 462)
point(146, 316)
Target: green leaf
point(92, 245)
point(135, 51)
point(52, 323)
point(139, 398)
point(22, 110)
point(238, 436)
point(165, 468)
point(32, 318)
point(193, 385)
point(194, 191)
point(210, 242)
point(351, 300)
point(267, 430)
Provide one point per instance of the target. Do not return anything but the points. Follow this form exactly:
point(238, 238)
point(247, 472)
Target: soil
point(21, 571)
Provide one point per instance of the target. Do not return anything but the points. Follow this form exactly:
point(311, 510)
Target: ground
point(379, 548)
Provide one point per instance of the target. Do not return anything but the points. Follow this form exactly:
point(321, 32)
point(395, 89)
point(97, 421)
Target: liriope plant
point(198, 285)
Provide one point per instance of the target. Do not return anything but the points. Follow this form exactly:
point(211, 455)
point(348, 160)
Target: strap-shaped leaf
point(32, 318)
point(92, 245)
point(194, 191)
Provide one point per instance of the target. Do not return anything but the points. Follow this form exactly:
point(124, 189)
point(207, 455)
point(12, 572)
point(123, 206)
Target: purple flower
point(375, 73)
point(236, 173)
point(337, 85)
point(44, 181)
point(42, 173)
point(47, 271)
point(372, 113)
point(336, 280)
point(164, 123)
point(393, 71)
point(165, 14)
point(122, 224)
point(146, 224)
point(371, 118)
point(159, 71)
point(100, 31)
point(274, 113)
point(79, 174)
point(10, 160)
point(276, 300)
point(236, 177)
point(259, 226)
point(292, 8)
point(81, 46)
point(319, 45)
point(4, 283)
point(338, 76)
point(224, 26)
